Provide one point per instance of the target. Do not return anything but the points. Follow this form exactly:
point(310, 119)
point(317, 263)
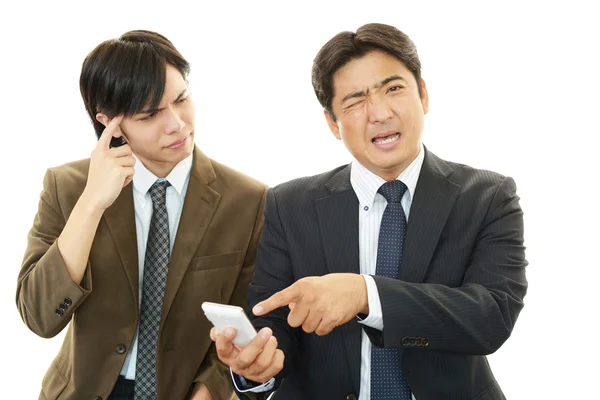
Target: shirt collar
point(144, 179)
point(366, 183)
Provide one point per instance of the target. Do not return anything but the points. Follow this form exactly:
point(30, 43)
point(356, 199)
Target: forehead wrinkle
point(158, 109)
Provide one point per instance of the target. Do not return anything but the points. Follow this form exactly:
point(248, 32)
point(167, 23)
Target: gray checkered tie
point(156, 266)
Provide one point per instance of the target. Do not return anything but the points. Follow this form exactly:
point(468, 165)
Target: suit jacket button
point(351, 396)
point(63, 306)
point(425, 342)
point(68, 301)
point(59, 312)
point(121, 349)
point(405, 341)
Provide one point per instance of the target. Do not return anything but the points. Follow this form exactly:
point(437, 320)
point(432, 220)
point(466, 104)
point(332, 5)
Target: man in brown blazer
point(126, 257)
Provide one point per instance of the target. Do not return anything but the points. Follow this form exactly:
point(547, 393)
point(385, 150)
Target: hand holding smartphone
point(225, 316)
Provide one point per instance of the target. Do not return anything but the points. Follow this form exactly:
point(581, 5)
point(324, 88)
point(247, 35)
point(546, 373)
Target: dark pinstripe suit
point(461, 285)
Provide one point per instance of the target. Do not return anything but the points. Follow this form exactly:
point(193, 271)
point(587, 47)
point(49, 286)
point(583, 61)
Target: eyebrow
point(361, 93)
point(154, 110)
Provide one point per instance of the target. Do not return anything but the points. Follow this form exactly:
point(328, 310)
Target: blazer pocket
point(54, 382)
point(216, 261)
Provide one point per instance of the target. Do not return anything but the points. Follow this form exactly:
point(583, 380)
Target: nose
point(174, 121)
point(378, 109)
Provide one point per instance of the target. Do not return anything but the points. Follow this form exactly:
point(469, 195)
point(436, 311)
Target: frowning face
point(164, 136)
point(379, 114)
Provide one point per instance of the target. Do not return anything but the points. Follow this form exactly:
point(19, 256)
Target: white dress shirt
point(371, 207)
point(143, 179)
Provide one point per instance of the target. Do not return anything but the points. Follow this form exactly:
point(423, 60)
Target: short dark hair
point(122, 76)
point(347, 46)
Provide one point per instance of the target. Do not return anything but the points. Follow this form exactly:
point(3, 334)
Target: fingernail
point(257, 309)
point(265, 333)
point(228, 333)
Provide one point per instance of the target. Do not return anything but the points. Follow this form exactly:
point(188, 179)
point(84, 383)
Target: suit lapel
point(120, 218)
point(434, 198)
point(337, 216)
point(199, 206)
point(338, 224)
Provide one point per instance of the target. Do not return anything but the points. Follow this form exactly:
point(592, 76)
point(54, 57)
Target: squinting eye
point(355, 104)
point(182, 100)
point(395, 88)
point(148, 117)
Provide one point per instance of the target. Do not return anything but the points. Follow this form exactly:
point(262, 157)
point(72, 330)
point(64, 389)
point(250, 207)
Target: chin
point(183, 155)
point(390, 162)
point(188, 149)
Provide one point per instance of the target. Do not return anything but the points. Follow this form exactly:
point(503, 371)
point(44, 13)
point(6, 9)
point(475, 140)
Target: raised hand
point(111, 169)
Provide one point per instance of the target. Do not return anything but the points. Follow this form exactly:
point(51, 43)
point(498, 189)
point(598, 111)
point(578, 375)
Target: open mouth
point(382, 140)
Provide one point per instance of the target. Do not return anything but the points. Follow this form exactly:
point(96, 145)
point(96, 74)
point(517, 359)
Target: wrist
point(363, 297)
point(89, 206)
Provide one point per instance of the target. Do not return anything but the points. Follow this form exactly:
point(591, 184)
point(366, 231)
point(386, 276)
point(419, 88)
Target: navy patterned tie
point(387, 381)
point(156, 266)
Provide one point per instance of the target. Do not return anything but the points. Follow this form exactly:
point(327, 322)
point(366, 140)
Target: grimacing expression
point(164, 136)
point(379, 114)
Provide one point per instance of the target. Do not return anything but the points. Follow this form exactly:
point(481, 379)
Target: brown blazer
point(212, 260)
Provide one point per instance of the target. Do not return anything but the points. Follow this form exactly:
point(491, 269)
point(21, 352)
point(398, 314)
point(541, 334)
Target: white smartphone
point(225, 316)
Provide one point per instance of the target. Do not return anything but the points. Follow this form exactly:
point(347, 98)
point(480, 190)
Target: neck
point(389, 175)
point(161, 170)
point(392, 173)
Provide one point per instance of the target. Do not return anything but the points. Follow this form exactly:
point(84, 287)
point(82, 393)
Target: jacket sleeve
point(478, 316)
point(46, 295)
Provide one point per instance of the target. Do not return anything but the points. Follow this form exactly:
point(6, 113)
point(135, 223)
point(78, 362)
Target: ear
point(333, 126)
point(424, 97)
point(103, 119)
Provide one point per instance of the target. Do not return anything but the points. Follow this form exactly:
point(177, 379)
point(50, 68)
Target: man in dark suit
point(389, 278)
point(125, 258)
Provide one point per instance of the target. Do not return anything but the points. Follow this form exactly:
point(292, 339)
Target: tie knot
point(158, 192)
point(393, 191)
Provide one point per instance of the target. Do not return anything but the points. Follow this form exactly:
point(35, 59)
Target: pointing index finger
point(282, 298)
point(109, 131)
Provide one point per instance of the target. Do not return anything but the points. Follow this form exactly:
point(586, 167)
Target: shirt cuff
point(375, 317)
point(242, 385)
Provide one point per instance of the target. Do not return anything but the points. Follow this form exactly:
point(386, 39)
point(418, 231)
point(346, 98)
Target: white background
point(513, 88)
